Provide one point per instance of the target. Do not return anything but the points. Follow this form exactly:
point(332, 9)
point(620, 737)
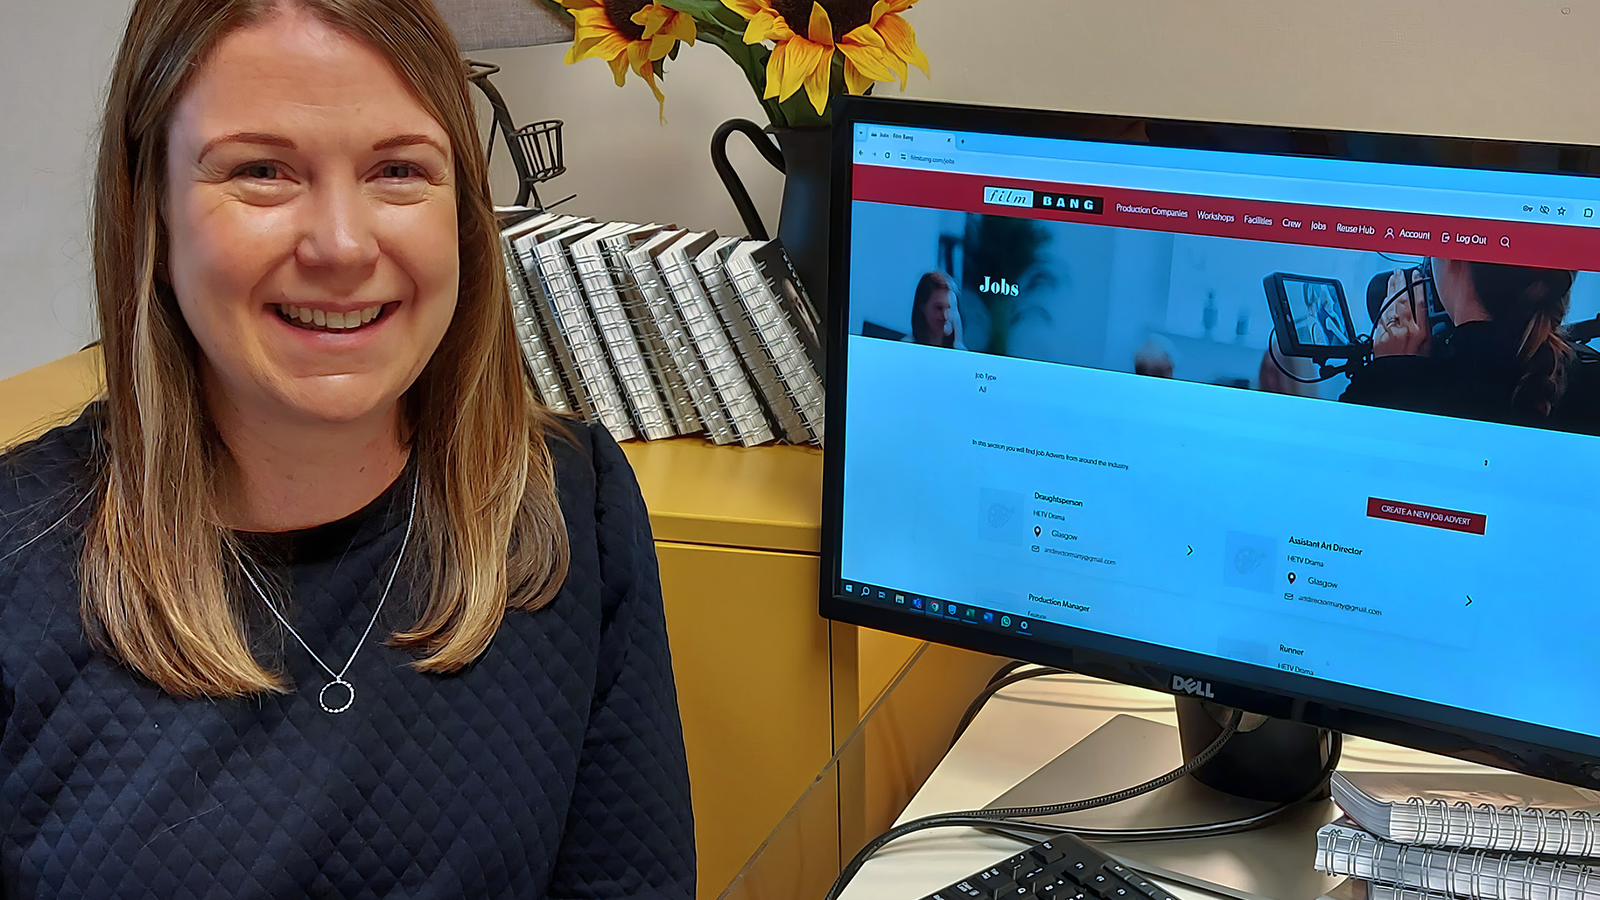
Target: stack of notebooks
point(1433, 837)
point(655, 332)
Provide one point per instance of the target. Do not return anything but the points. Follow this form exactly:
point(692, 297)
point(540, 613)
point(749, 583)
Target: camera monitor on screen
point(1096, 442)
point(1311, 317)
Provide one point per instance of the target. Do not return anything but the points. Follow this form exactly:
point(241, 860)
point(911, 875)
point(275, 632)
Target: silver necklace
point(338, 677)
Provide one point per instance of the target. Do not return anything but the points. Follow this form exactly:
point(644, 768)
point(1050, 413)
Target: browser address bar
point(1233, 185)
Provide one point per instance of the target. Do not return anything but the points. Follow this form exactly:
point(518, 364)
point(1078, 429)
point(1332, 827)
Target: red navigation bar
point(1477, 240)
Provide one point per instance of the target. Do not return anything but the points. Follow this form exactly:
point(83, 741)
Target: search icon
point(1505, 242)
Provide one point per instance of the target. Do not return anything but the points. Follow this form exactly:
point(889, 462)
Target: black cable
point(1003, 816)
point(1004, 678)
point(1056, 809)
point(1272, 342)
point(1006, 669)
point(1185, 832)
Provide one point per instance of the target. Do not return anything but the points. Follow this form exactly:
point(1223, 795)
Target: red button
point(1432, 516)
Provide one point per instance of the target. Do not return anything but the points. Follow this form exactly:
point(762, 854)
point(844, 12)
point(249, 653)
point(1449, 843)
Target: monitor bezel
point(1504, 743)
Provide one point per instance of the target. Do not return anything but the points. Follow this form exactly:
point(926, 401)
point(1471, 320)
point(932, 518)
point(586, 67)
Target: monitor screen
point(1288, 419)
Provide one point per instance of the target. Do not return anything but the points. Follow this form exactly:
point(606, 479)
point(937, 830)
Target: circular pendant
point(349, 697)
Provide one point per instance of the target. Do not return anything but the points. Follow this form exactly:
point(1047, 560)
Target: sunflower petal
point(901, 39)
point(649, 77)
point(777, 66)
point(605, 46)
point(747, 8)
point(820, 28)
point(574, 5)
point(619, 68)
point(683, 29)
point(804, 58)
point(661, 45)
point(650, 18)
point(639, 57)
point(767, 26)
point(872, 61)
point(866, 36)
point(855, 81)
point(817, 80)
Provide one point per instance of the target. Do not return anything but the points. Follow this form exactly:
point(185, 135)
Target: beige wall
point(1500, 68)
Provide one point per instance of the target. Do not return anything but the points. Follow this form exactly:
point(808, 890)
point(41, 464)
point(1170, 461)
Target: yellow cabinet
point(750, 655)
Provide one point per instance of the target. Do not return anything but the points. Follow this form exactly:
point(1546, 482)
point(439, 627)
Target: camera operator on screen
point(1506, 357)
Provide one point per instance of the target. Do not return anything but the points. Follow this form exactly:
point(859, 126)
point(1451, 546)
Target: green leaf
point(700, 9)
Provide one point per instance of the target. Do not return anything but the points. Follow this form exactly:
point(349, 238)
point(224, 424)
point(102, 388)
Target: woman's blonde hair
point(156, 561)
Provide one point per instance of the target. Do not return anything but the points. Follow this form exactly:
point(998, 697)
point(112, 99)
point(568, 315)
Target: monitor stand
point(1272, 863)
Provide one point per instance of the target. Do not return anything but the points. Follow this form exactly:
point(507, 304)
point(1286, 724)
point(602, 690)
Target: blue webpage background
point(954, 458)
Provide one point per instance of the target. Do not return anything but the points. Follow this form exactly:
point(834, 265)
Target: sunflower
point(877, 43)
point(627, 34)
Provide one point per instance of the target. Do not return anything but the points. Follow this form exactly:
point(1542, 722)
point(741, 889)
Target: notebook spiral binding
point(535, 354)
point(775, 333)
point(1515, 829)
point(669, 381)
point(717, 425)
point(649, 412)
point(1478, 874)
point(716, 354)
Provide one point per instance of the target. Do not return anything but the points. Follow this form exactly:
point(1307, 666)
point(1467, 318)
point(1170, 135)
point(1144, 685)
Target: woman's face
point(311, 216)
point(937, 312)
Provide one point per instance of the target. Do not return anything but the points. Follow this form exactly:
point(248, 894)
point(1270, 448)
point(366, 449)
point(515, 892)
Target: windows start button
point(1434, 517)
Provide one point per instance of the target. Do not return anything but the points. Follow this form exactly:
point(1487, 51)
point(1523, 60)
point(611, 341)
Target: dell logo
point(1193, 686)
point(1001, 287)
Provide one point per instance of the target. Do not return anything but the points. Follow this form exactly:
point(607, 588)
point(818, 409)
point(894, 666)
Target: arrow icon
point(1469, 599)
point(1191, 549)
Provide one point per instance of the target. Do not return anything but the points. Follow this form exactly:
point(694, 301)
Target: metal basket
point(540, 144)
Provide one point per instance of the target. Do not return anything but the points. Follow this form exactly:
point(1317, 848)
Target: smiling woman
point(316, 433)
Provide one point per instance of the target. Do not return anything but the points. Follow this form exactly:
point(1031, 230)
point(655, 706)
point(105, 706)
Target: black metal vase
point(801, 154)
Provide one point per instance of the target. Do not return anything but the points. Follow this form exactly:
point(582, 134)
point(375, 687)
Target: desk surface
point(1020, 730)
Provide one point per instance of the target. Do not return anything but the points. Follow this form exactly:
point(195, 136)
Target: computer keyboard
point(1062, 868)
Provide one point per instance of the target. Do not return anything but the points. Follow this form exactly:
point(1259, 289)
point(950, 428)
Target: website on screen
point(1354, 442)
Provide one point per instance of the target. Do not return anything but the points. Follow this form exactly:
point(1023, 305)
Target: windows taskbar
point(947, 610)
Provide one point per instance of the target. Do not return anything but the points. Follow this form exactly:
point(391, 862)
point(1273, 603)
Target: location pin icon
point(1035, 531)
point(1291, 578)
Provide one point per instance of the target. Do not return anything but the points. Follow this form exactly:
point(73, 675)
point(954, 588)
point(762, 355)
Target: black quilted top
point(553, 766)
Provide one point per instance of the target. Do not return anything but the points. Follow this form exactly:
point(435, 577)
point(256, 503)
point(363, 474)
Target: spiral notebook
point(628, 363)
point(658, 303)
point(571, 315)
point(536, 354)
point(778, 336)
point(1512, 813)
point(717, 354)
point(1345, 850)
point(658, 357)
point(710, 264)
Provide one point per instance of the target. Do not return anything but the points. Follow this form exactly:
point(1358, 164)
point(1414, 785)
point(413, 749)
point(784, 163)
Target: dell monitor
point(1301, 422)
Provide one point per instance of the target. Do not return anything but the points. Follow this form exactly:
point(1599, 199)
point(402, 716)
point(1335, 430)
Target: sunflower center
point(621, 15)
point(845, 15)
